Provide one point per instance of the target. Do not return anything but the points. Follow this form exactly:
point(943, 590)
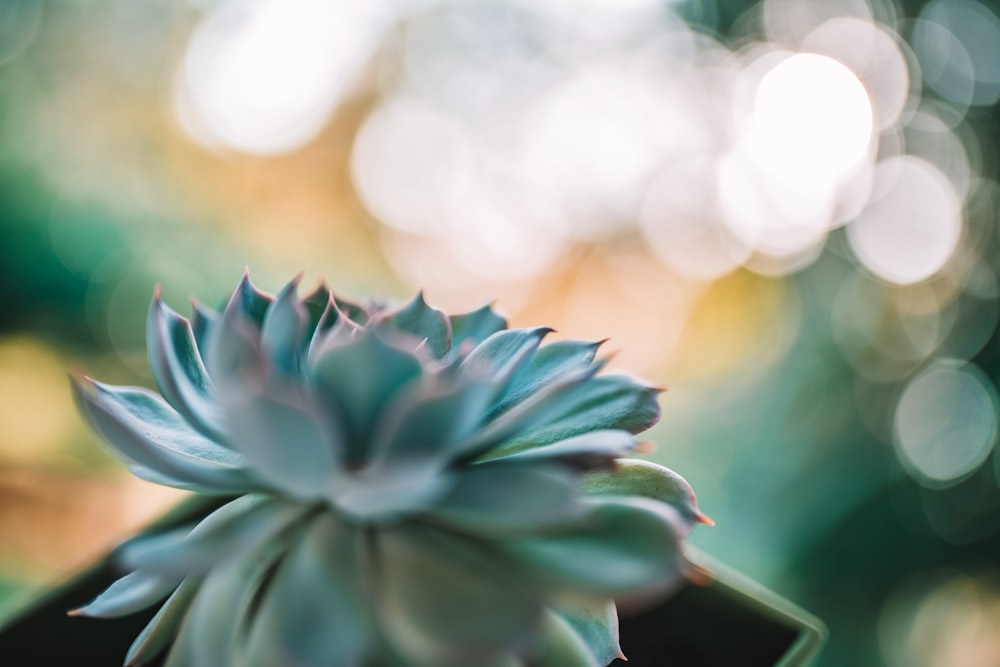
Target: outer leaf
point(133, 592)
point(284, 443)
point(420, 320)
point(445, 600)
point(314, 612)
point(626, 546)
point(475, 327)
point(608, 402)
point(500, 356)
point(214, 633)
point(596, 623)
point(144, 429)
point(493, 499)
point(160, 631)
point(178, 368)
point(634, 477)
point(596, 449)
point(237, 527)
point(563, 647)
point(250, 302)
point(283, 332)
point(551, 363)
point(356, 380)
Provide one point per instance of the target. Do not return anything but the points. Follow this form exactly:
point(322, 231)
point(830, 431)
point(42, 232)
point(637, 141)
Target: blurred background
point(783, 210)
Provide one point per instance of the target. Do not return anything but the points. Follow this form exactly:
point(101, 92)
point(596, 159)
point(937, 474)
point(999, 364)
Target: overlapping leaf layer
point(411, 489)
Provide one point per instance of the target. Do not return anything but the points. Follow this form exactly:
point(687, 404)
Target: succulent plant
point(408, 488)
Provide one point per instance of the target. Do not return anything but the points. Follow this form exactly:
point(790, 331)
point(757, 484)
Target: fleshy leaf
point(492, 499)
point(178, 368)
point(635, 477)
point(500, 356)
point(144, 429)
point(214, 633)
point(133, 592)
point(234, 528)
point(562, 646)
point(625, 545)
point(596, 449)
point(162, 628)
point(425, 323)
point(550, 363)
point(203, 323)
point(356, 379)
point(283, 332)
point(447, 600)
point(475, 327)
point(250, 302)
point(596, 623)
point(607, 402)
point(285, 444)
point(314, 611)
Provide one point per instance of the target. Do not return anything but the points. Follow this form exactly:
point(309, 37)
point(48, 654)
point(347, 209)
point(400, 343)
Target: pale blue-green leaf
point(498, 499)
point(134, 592)
point(235, 356)
point(562, 646)
point(635, 477)
point(550, 363)
point(317, 303)
point(429, 420)
point(162, 628)
point(251, 303)
point(596, 623)
point(425, 323)
point(315, 612)
point(220, 617)
point(156, 477)
point(589, 451)
point(144, 429)
point(448, 600)
point(283, 332)
point(354, 311)
point(355, 380)
point(626, 545)
point(178, 369)
point(233, 529)
point(203, 323)
point(470, 329)
point(499, 358)
point(606, 402)
point(288, 445)
point(383, 491)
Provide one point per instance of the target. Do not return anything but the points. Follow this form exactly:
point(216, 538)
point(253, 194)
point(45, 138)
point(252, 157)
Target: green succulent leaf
point(634, 477)
point(157, 635)
point(178, 369)
point(473, 328)
point(551, 363)
point(306, 465)
point(134, 592)
point(607, 402)
point(283, 331)
point(234, 528)
point(203, 323)
point(589, 451)
point(314, 613)
point(496, 499)
point(425, 323)
point(249, 302)
point(596, 623)
point(500, 356)
point(625, 545)
point(355, 380)
point(562, 646)
point(144, 429)
point(447, 600)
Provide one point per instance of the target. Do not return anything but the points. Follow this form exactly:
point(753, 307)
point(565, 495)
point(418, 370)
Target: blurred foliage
point(787, 370)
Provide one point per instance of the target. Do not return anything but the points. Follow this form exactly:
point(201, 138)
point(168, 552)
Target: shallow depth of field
point(784, 211)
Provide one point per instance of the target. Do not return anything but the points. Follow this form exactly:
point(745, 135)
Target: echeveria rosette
point(410, 489)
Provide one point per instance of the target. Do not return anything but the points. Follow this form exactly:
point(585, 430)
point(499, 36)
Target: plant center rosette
point(408, 488)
